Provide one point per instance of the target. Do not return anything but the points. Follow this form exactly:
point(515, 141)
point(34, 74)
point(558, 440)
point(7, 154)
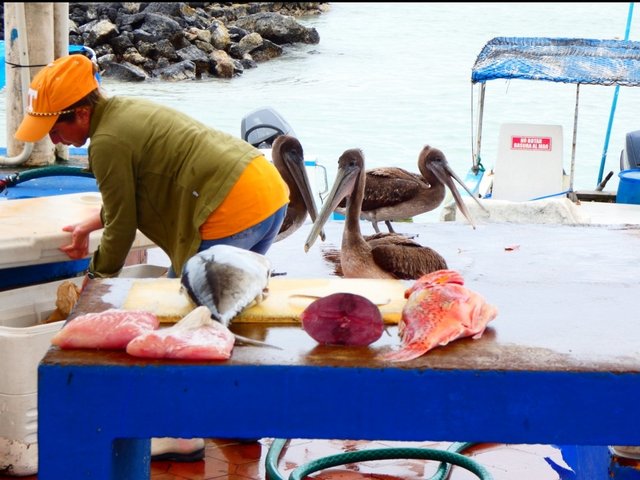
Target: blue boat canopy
point(566, 60)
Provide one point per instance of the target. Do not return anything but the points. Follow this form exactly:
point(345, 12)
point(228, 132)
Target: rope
point(448, 457)
point(17, 65)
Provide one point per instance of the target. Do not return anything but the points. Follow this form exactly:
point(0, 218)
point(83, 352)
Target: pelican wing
point(407, 261)
point(393, 172)
point(382, 191)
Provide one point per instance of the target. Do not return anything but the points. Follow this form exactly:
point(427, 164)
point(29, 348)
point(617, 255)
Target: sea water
point(391, 77)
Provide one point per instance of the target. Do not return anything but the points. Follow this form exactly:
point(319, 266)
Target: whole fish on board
point(227, 279)
point(439, 309)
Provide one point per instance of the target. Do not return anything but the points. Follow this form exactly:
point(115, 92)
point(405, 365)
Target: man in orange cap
point(186, 186)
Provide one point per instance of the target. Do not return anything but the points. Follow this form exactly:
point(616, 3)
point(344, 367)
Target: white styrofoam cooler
point(24, 340)
point(32, 234)
point(23, 343)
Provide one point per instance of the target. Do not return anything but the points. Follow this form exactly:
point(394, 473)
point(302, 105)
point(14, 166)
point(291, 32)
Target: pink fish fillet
point(196, 337)
point(110, 329)
point(439, 309)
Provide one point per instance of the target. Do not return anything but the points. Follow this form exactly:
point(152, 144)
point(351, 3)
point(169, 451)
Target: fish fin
point(404, 354)
point(256, 343)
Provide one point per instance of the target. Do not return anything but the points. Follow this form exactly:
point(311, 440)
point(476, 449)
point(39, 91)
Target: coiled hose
point(52, 171)
point(449, 457)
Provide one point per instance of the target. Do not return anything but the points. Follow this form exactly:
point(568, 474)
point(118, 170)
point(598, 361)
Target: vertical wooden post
point(38, 18)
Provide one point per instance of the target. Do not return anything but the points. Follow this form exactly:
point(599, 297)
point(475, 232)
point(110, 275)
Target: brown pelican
point(392, 193)
point(391, 255)
point(288, 157)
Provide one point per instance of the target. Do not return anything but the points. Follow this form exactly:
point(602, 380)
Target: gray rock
point(185, 70)
point(123, 71)
point(197, 57)
point(278, 28)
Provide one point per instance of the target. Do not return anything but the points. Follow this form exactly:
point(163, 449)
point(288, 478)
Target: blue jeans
point(257, 238)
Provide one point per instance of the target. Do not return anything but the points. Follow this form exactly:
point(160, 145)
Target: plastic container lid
point(632, 174)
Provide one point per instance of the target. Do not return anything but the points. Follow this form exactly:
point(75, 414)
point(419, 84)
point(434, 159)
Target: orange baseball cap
point(55, 88)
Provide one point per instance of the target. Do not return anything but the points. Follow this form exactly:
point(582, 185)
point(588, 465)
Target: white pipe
point(60, 49)
point(25, 79)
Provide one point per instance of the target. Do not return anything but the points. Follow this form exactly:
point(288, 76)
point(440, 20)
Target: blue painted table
point(559, 365)
point(98, 409)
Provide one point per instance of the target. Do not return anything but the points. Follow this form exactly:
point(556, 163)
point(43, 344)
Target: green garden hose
point(451, 456)
point(51, 171)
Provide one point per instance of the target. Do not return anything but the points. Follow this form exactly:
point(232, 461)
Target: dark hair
point(89, 100)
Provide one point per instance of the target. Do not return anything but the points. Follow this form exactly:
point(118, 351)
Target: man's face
point(74, 132)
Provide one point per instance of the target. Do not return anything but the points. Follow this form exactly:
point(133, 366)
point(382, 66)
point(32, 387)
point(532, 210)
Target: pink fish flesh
point(439, 309)
point(196, 337)
point(110, 329)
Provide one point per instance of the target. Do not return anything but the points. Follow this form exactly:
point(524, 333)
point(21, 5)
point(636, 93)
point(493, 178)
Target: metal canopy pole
point(572, 195)
point(476, 155)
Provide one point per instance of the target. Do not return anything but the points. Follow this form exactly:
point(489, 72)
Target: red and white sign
point(531, 143)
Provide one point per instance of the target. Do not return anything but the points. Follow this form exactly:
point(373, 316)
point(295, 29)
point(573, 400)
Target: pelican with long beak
point(388, 255)
point(392, 193)
point(288, 158)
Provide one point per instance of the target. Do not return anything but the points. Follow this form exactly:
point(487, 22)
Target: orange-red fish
point(439, 309)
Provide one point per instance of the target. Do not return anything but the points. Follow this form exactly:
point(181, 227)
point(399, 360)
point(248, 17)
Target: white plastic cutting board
point(285, 301)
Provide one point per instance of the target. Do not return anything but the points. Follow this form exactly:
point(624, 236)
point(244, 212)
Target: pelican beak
point(446, 175)
point(296, 167)
point(342, 187)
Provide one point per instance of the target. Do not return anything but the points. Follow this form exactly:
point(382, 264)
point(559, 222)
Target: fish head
point(226, 279)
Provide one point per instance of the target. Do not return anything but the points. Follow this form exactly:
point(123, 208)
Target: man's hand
point(79, 246)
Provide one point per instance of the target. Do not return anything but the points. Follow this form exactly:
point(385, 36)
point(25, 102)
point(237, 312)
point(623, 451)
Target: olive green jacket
point(161, 172)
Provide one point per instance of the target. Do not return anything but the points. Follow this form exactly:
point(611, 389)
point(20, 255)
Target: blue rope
point(613, 104)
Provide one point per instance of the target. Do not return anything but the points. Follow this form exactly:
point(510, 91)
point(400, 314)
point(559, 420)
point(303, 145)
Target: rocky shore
point(176, 41)
point(180, 41)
